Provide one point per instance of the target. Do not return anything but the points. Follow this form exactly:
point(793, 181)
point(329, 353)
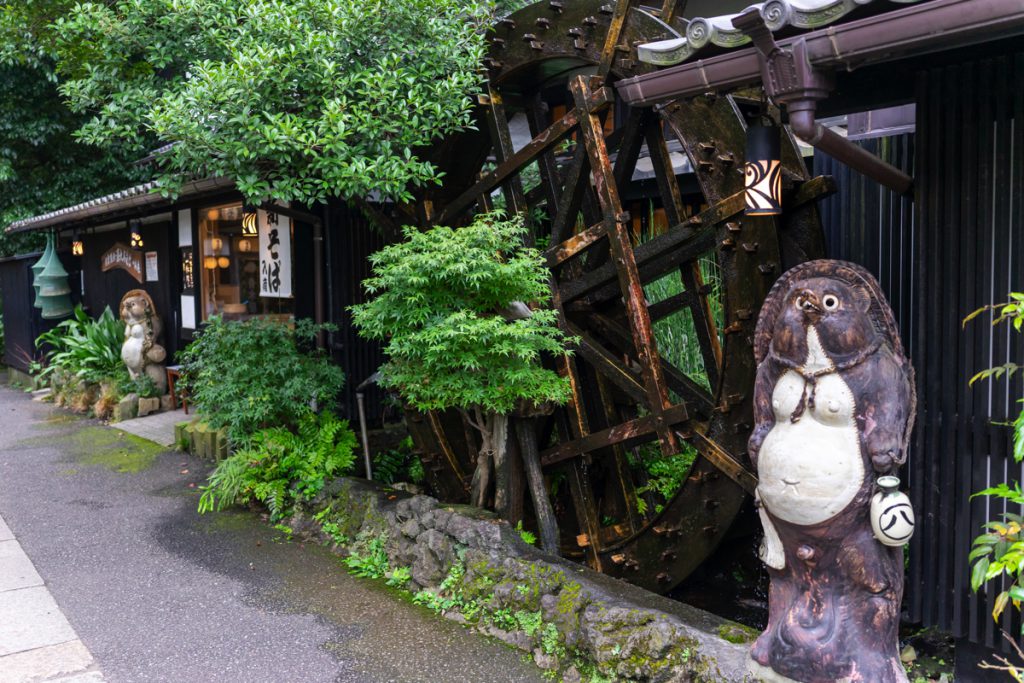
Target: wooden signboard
point(123, 257)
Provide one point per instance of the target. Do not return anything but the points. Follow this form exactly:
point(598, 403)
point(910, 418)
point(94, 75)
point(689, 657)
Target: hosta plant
point(89, 349)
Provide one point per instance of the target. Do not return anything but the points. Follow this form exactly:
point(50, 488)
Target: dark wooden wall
point(350, 240)
point(106, 289)
point(957, 247)
point(22, 322)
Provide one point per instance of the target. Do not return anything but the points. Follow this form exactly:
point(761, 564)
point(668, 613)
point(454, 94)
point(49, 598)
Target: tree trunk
point(546, 524)
point(499, 439)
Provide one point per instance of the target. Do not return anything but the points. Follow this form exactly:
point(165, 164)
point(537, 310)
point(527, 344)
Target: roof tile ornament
point(719, 31)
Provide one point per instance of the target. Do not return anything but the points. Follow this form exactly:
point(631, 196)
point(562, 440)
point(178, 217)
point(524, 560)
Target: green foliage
point(251, 375)
point(42, 165)
point(368, 556)
point(529, 538)
point(436, 297)
point(398, 464)
point(282, 469)
point(676, 334)
point(297, 100)
point(665, 476)
point(1000, 550)
point(399, 577)
point(89, 349)
point(331, 527)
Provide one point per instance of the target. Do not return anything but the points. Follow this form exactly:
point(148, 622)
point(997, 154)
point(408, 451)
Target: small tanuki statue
point(834, 405)
point(140, 351)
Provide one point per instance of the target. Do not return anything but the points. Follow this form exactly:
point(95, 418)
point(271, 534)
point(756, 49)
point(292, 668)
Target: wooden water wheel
point(553, 65)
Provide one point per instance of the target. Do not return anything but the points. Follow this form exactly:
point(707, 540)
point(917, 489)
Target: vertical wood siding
point(957, 247)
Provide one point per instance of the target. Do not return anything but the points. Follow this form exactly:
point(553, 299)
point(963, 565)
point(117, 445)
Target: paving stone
point(158, 428)
point(5, 532)
point(16, 570)
point(46, 663)
point(91, 677)
point(29, 618)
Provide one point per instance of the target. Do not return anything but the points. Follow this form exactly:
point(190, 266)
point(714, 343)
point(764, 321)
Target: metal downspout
point(791, 80)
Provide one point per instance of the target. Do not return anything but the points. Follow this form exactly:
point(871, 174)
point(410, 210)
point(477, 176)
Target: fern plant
point(281, 468)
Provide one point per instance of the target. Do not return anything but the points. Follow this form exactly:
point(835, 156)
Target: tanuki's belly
point(811, 469)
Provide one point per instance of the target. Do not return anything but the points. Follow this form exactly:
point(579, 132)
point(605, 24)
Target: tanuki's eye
point(830, 302)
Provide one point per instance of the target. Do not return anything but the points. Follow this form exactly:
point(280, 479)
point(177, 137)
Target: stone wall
point(589, 620)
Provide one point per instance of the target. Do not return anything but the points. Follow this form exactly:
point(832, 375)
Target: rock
point(426, 570)
point(908, 655)
point(411, 528)
point(545, 661)
point(166, 403)
point(572, 675)
point(126, 408)
point(414, 507)
point(148, 406)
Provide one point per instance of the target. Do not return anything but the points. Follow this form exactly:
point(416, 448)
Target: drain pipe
point(791, 81)
point(361, 404)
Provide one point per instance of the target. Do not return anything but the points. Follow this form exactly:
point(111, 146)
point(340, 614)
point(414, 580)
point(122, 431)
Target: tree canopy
point(437, 298)
point(43, 165)
point(297, 100)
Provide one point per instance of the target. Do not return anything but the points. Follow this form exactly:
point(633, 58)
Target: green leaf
point(978, 574)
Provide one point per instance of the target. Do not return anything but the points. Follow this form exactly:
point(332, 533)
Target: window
point(229, 263)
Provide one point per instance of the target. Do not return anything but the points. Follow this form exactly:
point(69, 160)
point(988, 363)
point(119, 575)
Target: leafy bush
point(252, 375)
point(299, 100)
point(89, 349)
point(439, 304)
point(398, 464)
point(368, 557)
point(1000, 550)
point(280, 468)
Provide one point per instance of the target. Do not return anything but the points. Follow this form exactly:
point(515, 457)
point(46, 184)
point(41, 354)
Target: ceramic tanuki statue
point(140, 351)
point(834, 405)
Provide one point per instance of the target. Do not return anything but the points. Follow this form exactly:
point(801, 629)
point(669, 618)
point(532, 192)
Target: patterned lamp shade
point(763, 171)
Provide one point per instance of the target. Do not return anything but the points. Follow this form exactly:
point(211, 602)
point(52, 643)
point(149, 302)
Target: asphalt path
point(157, 592)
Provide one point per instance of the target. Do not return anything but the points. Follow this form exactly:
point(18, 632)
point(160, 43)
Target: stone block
point(166, 403)
point(127, 408)
point(147, 406)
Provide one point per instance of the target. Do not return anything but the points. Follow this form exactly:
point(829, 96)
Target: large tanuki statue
point(140, 351)
point(834, 405)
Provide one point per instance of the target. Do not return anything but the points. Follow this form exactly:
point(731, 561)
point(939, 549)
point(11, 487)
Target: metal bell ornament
point(54, 292)
point(38, 267)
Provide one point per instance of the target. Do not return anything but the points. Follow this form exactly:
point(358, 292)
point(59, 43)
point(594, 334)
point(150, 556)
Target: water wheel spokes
point(632, 401)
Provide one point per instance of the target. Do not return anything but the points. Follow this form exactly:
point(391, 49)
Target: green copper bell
point(54, 291)
point(39, 265)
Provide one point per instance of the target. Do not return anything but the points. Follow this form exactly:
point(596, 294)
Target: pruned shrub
point(245, 376)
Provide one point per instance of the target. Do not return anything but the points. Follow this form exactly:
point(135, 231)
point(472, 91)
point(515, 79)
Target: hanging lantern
point(54, 292)
point(249, 226)
point(244, 245)
point(38, 267)
point(210, 262)
point(763, 172)
point(223, 262)
point(77, 248)
point(216, 244)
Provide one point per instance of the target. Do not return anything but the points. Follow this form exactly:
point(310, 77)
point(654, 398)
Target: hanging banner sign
point(275, 233)
point(123, 257)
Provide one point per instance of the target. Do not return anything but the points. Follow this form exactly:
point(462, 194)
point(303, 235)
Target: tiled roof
point(702, 32)
point(146, 194)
